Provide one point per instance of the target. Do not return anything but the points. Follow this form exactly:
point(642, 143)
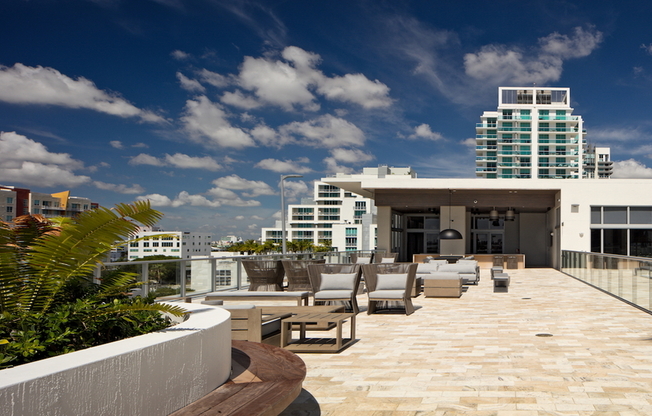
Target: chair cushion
point(337, 281)
point(427, 267)
point(387, 260)
point(387, 294)
point(333, 294)
point(458, 267)
point(363, 260)
point(391, 281)
point(270, 327)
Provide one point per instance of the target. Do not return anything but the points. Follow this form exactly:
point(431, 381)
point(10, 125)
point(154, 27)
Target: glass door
point(488, 243)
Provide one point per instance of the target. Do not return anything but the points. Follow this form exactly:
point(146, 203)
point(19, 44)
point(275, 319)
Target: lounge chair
point(335, 282)
point(390, 282)
point(296, 272)
point(265, 275)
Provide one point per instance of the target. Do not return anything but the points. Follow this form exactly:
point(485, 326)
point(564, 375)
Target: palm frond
point(139, 305)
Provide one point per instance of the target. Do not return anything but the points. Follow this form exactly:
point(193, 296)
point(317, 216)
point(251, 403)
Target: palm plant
point(39, 257)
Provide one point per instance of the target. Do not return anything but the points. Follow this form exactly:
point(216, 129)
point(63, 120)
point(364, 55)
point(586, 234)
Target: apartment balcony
point(558, 129)
point(486, 136)
point(517, 129)
point(486, 148)
point(485, 125)
point(484, 169)
point(559, 118)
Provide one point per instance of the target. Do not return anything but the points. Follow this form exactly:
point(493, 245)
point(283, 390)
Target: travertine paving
point(479, 355)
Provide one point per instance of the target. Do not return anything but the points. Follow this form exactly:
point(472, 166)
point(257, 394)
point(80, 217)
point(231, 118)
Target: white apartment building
point(182, 244)
point(343, 219)
point(534, 134)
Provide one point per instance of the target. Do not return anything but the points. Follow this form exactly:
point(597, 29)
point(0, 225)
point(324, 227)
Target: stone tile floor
point(479, 355)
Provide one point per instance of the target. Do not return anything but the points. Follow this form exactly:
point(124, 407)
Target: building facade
point(534, 134)
point(342, 219)
point(537, 219)
point(181, 244)
point(15, 202)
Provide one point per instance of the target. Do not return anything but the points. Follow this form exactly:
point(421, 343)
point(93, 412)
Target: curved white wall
point(152, 374)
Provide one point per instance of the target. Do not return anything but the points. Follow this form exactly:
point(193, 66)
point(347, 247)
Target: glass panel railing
point(628, 278)
point(177, 278)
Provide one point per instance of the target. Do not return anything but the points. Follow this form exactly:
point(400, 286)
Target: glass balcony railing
point(627, 278)
point(179, 278)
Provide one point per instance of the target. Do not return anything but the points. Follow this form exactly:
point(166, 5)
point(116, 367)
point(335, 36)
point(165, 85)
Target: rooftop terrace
point(480, 355)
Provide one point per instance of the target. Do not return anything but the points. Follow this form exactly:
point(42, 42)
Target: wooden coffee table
point(304, 344)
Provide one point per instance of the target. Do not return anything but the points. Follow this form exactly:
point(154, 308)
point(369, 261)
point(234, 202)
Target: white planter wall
point(149, 375)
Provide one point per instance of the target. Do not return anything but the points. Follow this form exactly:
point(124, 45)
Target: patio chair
point(390, 282)
point(335, 282)
point(264, 275)
point(296, 272)
point(385, 258)
point(361, 259)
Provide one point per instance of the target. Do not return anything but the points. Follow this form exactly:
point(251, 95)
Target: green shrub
point(49, 304)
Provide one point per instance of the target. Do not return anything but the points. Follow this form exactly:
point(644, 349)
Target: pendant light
point(493, 214)
point(450, 233)
point(509, 215)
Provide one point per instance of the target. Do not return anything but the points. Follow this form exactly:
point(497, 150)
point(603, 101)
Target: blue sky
point(201, 105)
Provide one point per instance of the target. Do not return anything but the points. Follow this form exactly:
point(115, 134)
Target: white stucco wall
point(149, 375)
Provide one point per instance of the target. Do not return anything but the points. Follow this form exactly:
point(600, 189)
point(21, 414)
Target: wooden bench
point(250, 296)
point(264, 381)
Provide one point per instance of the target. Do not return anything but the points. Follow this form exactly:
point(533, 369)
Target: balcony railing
point(627, 278)
point(178, 278)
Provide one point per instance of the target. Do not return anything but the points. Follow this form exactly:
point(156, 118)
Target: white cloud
point(238, 99)
point(122, 189)
point(22, 84)
point(213, 78)
point(647, 48)
point(145, 159)
point(191, 85)
point(333, 167)
point(179, 55)
point(294, 189)
point(470, 143)
point(618, 134)
point(235, 182)
point(500, 64)
point(25, 161)
point(142, 145)
point(358, 89)
point(157, 200)
point(350, 155)
point(423, 131)
point(631, 169)
point(256, 217)
point(180, 160)
point(282, 166)
point(293, 82)
point(325, 131)
point(116, 144)
point(267, 136)
point(239, 217)
point(207, 124)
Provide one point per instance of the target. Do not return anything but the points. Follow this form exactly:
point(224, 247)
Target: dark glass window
point(640, 215)
point(596, 215)
point(615, 241)
point(640, 243)
point(596, 240)
point(615, 215)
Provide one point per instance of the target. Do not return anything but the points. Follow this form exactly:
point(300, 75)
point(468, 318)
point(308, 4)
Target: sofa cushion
point(458, 267)
point(387, 294)
point(333, 294)
point(427, 267)
point(391, 281)
point(337, 281)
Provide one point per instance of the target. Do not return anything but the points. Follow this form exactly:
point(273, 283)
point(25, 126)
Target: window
point(615, 215)
point(37, 202)
point(10, 209)
point(46, 203)
point(36, 210)
point(10, 200)
point(75, 206)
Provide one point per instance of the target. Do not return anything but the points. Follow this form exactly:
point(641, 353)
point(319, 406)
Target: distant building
point(534, 134)
point(182, 244)
point(343, 219)
point(15, 202)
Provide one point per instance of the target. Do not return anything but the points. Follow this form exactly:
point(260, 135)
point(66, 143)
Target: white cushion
point(363, 260)
point(387, 294)
point(337, 281)
point(391, 281)
point(427, 267)
point(333, 294)
point(387, 260)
